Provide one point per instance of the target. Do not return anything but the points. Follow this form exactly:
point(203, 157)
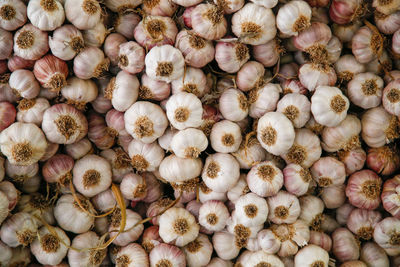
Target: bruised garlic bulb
point(91, 175)
point(64, 124)
point(265, 179)
point(47, 15)
point(293, 17)
point(66, 42)
point(164, 63)
point(213, 215)
point(178, 226)
point(23, 143)
point(12, 14)
point(145, 156)
point(51, 247)
point(225, 136)
point(275, 133)
point(145, 121)
point(175, 169)
point(254, 24)
point(122, 90)
point(89, 257)
point(189, 143)
point(30, 42)
point(311, 256)
point(184, 110)
point(296, 108)
point(71, 217)
point(83, 14)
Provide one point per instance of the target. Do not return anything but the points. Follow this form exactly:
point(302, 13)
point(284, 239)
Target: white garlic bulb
point(32, 110)
point(260, 257)
point(122, 90)
point(189, 143)
point(194, 81)
point(213, 215)
point(265, 179)
point(87, 257)
point(132, 255)
point(46, 15)
point(225, 245)
point(175, 169)
point(311, 255)
point(199, 251)
point(130, 234)
point(294, 17)
point(24, 83)
point(296, 107)
point(20, 229)
point(15, 15)
point(251, 210)
point(83, 14)
point(225, 136)
point(184, 110)
point(365, 90)
point(166, 254)
point(283, 208)
point(145, 157)
point(233, 105)
point(23, 143)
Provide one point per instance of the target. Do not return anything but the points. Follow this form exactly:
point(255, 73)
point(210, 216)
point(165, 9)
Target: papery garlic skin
point(391, 98)
point(23, 143)
point(31, 111)
point(314, 75)
point(91, 257)
point(123, 91)
point(79, 149)
point(194, 81)
point(46, 15)
point(251, 210)
point(365, 45)
point(328, 171)
point(19, 229)
point(311, 254)
point(91, 175)
point(199, 251)
point(145, 121)
point(30, 42)
point(254, 23)
point(345, 246)
point(12, 22)
point(66, 42)
point(189, 143)
point(6, 44)
point(233, 105)
point(164, 63)
point(213, 215)
point(83, 14)
point(231, 56)
point(184, 110)
point(293, 17)
point(373, 255)
point(296, 179)
point(208, 21)
point(347, 67)
point(131, 57)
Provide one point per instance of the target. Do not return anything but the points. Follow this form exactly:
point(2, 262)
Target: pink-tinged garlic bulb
point(167, 255)
point(51, 247)
point(345, 32)
point(32, 110)
point(111, 46)
point(155, 31)
point(328, 171)
point(64, 124)
point(24, 84)
point(159, 8)
point(225, 137)
point(105, 201)
point(90, 63)
point(387, 24)
point(199, 251)
point(296, 108)
point(7, 115)
point(386, 235)
point(79, 149)
point(334, 196)
point(66, 42)
point(347, 67)
point(306, 149)
point(242, 233)
point(122, 90)
point(225, 245)
point(362, 222)
point(366, 45)
point(71, 217)
point(145, 156)
point(125, 23)
point(391, 98)
point(233, 105)
point(313, 75)
point(133, 187)
point(283, 208)
point(83, 14)
point(178, 226)
point(254, 24)
point(208, 21)
point(250, 153)
point(365, 90)
point(379, 127)
point(130, 234)
point(296, 179)
point(6, 44)
point(51, 72)
point(12, 14)
point(293, 18)
point(231, 56)
point(353, 159)
point(91, 175)
point(30, 42)
point(6, 92)
point(16, 62)
point(153, 89)
point(321, 239)
point(102, 136)
point(395, 41)
point(164, 63)
point(345, 136)
point(269, 53)
point(344, 12)
point(250, 75)
point(131, 57)
point(58, 169)
point(391, 196)
point(311, 211)
point(363, 189)
point(151, 238)
point(132, 255)
point(145, 121)
point(374, 255)
point(196, 50)
point(23, 143)
point(19, 229)
point(345, 246)
point(194, 81)
point(46, 15)
point(386, 7)
point(384, 160)
point(51, 150)
point(154, 209)
point(120, 162)
point(271, 135)
point(88, 257)
point(12, 194)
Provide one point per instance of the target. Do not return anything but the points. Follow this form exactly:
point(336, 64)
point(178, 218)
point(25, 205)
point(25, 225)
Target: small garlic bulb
point(88, 257)
point(293, 17)
point(391, 98)
point(225, 136)
point(79, 149)
point(283, 208)
point(221, 172)
point(164, 63)
point(175, 169)
point(310, 256)
point(64, 124)
point(199, 251)
point(23, 143)
point(386, 235)
point(47, 15)
point(231, 56)
point(122, 90)
point(51, 247)
point(133, 187)
point(347, 67)
point(251, 210)
point(296, 107)
point(233, 105)
point(167, 255)
point(184, 110)
point(329, 106)
point(30, 42)
point(90, 63)
point(312, 75)
point(71, 217)
point(208, 21)
point(145, 156)
point(189, 143)
point(265, 179)
point(145, 121)
point(12, 15)
point(91, 175)
point(19, 229)
point(83, 14)
point(328, 171)
point(213, 215)
point(178, 226)
point(254, 24)
point(365, 90)
point(58, 169)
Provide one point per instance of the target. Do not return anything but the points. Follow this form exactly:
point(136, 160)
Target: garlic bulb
point(386, 235)
point(31, 110)
point(283, 208)
point(168, 255)
point(374, 255)
point(122, 90)
point(254, 24)
point(177, 225)
point(184, 110)
point(145, 121)
point(50, 248)
point(231, 56)
point(263, 99)
point(6, 44)
point(30, 42)
point(297, 180)
point(83, 14)
point(164, 63)
point(347, 67)
point(20, 229)
point(262, 258)
point(225, 245)
point(296, 108)
point(153, 89)
point(250, 153)
point(66, 42)
point(145, 156)
point(133, 187)
point(90, 63)
point(13, 14)
point(24, 84)
point(131, 57)
point(46, 15)
point(311, 212)
point(91, 175)
point(208, 21)
point(221, 172)
point(311, 255)
point(194, 81)
point(91, 257)
point(391, 98)
point(225, 136)
point(130, 234)
point(312, 75)
point(199, 251)
point(58, 169)
point(293, 17)
point(213, 215)
point(233, 105)
point(275, 133)
point(251, 210)
point(365, 90)
point(189, 143)
point(175, 169)
point(328, 171)
point(23, 143)
point(71, 217)
point(79, 149)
